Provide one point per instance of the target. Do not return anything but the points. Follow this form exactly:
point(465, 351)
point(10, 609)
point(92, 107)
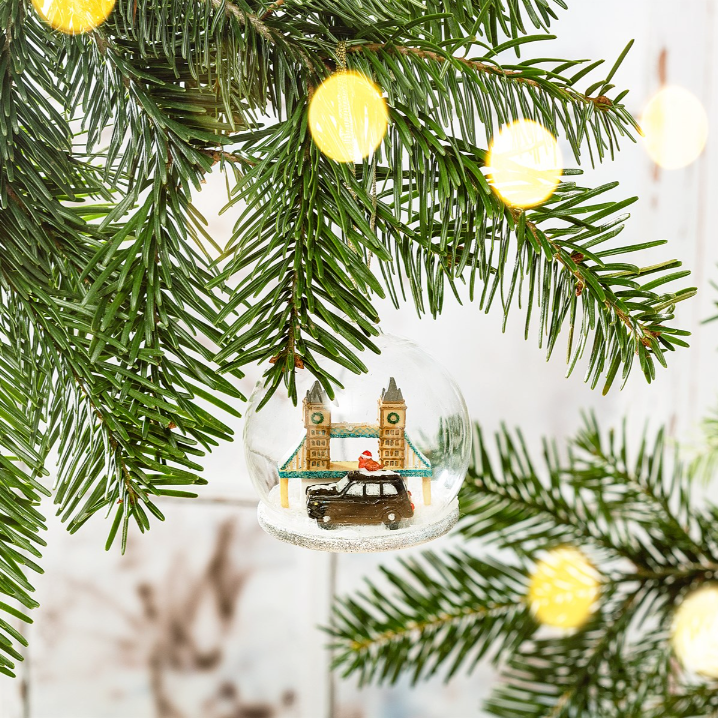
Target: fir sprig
point(437, 218)
point(633, 516)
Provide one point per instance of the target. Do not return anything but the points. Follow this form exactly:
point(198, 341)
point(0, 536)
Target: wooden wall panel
point(201, 617)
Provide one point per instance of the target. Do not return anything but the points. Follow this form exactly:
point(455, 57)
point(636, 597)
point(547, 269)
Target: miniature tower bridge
point(312, 458)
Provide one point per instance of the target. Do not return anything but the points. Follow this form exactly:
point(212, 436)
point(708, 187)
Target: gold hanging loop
point(347, 136)
point(346, 129)
point(372, 221)
point(342, 56)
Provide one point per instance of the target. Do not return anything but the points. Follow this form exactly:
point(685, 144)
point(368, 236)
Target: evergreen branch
point(601, 102)
point(619, 512)
point(282, 44)
point(492, 19)
point(454, 227)
point(115, 315)
point(23, 451)
point(625, 324)
point(306, 291)
point(603, 467)
point(270, 34)
point(447, 612)
point(690, 702)
point(117, 321)
point(463, 88)
point(634, 512)
point(648, 668)
point(517, 509)
point(137, 297)
point(575, 675)
point(463, 227)
point(637, 330)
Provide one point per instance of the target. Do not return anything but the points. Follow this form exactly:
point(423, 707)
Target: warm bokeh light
point(695, 631)
point(675, 126)
point(524, 163)
point(348, 117)
point(564, 589)
point(74, 16)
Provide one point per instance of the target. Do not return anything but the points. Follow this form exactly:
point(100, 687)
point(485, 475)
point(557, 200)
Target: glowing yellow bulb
point(695, 631)
point(675, 127)
point(564, 589)
point(348, 117)
point(524, 163)
point(74, 16)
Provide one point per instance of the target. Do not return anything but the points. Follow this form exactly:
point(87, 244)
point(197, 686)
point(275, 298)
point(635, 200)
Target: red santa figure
point(367, 462)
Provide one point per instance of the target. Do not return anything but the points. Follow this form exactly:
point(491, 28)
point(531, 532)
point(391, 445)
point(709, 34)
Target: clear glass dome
point(378, 467)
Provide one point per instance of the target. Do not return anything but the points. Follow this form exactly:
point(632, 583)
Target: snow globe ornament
point(376, 468)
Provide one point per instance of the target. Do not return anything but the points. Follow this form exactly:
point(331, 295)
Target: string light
point(564, 588)
point(524, 163)
point(348, 117)
point(695, 631)
point(74, 17)
point(675, 127)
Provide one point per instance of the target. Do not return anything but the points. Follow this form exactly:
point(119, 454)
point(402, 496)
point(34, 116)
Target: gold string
point(347, 136)
point(345, 129)
point(372, 220)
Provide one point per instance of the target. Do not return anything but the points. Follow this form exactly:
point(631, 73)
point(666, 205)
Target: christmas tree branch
point(444, 613)
point(596, 499)
point(304, 293)
point(444, 207)
point(577, 664)
point(23, 451)
point(499, 95)
point(118, 327)
point(116, 314)
point(601, 101)
point(602, 467)
point(690, 702)
point(515, 509)
point(627, 328)
point(492, 20)
point(595, 476)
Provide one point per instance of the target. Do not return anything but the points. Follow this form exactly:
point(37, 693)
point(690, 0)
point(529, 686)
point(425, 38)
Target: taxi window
point(372, 490)
point(390, 490)
point(355, 490)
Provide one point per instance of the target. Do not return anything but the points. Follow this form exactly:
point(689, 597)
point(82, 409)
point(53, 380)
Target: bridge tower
point(318, 423)
point(392, 423)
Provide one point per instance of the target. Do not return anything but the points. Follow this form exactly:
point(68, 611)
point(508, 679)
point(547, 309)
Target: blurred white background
point(207, 617)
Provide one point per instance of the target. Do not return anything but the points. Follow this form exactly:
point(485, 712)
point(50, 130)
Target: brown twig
point(638, 330)
point(602, 102)
point(222, 156)
point(269, 34)
point(232, 10)
point(272, 8)
point(416, 627)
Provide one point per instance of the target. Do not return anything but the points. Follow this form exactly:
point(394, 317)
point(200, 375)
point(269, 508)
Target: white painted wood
point(200, 618)
point(315, 593)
